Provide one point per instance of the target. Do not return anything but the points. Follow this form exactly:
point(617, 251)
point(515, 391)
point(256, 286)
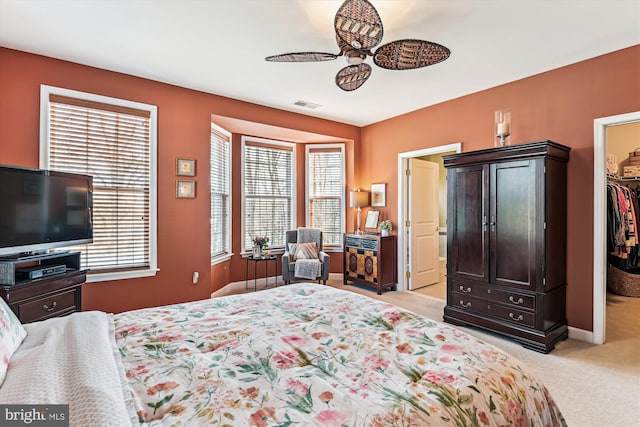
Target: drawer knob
point(466, 291)
point(467, 305)
point(520, 318)
point(518, 301)
point(47, 308)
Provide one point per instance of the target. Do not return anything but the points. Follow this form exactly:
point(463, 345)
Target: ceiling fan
point(358, 30)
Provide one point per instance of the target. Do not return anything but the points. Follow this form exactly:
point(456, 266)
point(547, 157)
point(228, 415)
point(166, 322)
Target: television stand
point(24, 256)
point(55, 291)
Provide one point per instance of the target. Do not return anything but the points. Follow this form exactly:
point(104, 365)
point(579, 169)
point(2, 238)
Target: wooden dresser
point(370, 259)
point(506, 241)
point(44, 297)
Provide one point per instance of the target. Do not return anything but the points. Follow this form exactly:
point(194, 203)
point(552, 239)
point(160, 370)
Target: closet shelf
point(623, 178)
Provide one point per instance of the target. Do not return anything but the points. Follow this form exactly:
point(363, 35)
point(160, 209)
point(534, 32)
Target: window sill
point(280, 251)
point(119, 275)
point(218, 260)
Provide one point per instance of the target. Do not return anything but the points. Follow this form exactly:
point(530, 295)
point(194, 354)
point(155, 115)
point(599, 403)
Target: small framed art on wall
point(185, 167)
point(185, 189)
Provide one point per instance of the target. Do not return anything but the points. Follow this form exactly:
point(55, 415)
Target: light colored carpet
point(594, 385)
point(438, 290)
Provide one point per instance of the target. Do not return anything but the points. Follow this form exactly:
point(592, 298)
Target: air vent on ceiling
point(306, 104)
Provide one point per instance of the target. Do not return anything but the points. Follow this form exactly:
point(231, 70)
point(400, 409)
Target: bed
point(297, 355)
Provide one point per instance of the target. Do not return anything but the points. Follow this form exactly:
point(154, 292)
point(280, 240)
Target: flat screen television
point(41, 210)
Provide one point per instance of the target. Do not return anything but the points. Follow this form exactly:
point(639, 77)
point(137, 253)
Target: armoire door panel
point(467, 225)
point(512, 221)
point(554, 248)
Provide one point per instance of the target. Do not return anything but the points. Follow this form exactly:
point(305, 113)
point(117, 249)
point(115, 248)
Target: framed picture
point(185, 189)
point(185, 167)
point(255, 252)
point(372, 219)
point(378, 194)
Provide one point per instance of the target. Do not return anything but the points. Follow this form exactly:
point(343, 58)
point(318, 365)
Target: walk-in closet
point(623, 224)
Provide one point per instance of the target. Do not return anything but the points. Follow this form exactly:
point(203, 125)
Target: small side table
point(256, 261)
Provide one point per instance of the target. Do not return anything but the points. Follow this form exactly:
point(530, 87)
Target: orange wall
point(559, 105)
point(183, 131)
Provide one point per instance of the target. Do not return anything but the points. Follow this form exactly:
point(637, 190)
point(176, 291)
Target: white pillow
point(11, 335)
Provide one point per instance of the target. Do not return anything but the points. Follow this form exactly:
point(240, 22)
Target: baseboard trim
point(580, 335)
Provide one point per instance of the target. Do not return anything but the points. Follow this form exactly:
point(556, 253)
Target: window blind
point(325, 191)
point(220, 193)
point(268, 192)
point(111, 143)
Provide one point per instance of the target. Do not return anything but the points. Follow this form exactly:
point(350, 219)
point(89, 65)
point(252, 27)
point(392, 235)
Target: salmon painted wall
point(559, 105)
point(183, 131)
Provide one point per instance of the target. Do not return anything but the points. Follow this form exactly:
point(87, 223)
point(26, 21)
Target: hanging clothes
point(623, 240)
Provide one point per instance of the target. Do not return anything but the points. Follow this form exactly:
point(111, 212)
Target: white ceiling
point(218, 46)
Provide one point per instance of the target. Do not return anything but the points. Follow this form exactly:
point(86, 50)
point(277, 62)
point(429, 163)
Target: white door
point(423, 223)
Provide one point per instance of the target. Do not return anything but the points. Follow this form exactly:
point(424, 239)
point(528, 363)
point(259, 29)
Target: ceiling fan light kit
point(358, 30)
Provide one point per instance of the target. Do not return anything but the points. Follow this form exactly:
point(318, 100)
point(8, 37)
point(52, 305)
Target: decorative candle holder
point(503, 127)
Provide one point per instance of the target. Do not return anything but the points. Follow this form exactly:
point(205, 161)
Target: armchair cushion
point(303, 251)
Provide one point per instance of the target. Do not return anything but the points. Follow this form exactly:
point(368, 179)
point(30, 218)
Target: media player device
point(38, 271)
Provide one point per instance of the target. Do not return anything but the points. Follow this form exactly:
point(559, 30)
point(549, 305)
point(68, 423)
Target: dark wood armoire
point(507, 241)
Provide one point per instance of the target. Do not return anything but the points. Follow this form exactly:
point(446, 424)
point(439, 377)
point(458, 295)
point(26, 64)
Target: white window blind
point(325, 191)
point(220, 193)
point(268, 191)
point(111, 143)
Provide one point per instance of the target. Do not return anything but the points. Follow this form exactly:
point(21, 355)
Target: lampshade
point(359, 199)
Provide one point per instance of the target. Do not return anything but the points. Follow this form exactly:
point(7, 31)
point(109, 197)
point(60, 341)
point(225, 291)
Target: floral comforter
point(311, 355)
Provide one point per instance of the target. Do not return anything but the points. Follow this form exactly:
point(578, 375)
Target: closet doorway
point(600, 219)
point(404, 196)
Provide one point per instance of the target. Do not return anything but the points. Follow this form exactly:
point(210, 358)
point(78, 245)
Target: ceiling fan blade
point(352, 77)
point(408, 54)
point(302, 57)
point(357, 23)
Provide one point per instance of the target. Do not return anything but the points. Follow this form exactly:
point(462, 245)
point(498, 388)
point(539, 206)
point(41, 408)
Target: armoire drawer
point(512, 298)
point(495, 293)
point(493, 309)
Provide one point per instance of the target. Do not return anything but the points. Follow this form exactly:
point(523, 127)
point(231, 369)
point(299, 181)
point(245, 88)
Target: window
point(268, 188)
point(114, 141)
point(220, 165)
point(325, 191)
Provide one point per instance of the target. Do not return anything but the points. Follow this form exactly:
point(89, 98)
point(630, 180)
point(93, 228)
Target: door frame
point(403, 160)
point(600, 219)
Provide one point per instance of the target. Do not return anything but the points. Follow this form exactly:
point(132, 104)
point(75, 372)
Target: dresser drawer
point(512, 298)
point(495, 293)
point(362, 243)
point(513, 315)
point(493, 309)
point(47, 306)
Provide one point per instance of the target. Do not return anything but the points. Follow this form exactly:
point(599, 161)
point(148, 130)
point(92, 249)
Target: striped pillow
point(11, 335)
point(303, 251)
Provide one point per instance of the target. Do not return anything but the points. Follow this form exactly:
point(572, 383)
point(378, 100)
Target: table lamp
point(359, 199)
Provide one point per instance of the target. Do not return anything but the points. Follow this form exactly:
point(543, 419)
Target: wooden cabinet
point(506, 241)
point(45, 297)
point(370, 259)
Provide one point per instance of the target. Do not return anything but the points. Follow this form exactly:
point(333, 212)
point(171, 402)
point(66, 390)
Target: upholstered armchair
point(304, 244)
